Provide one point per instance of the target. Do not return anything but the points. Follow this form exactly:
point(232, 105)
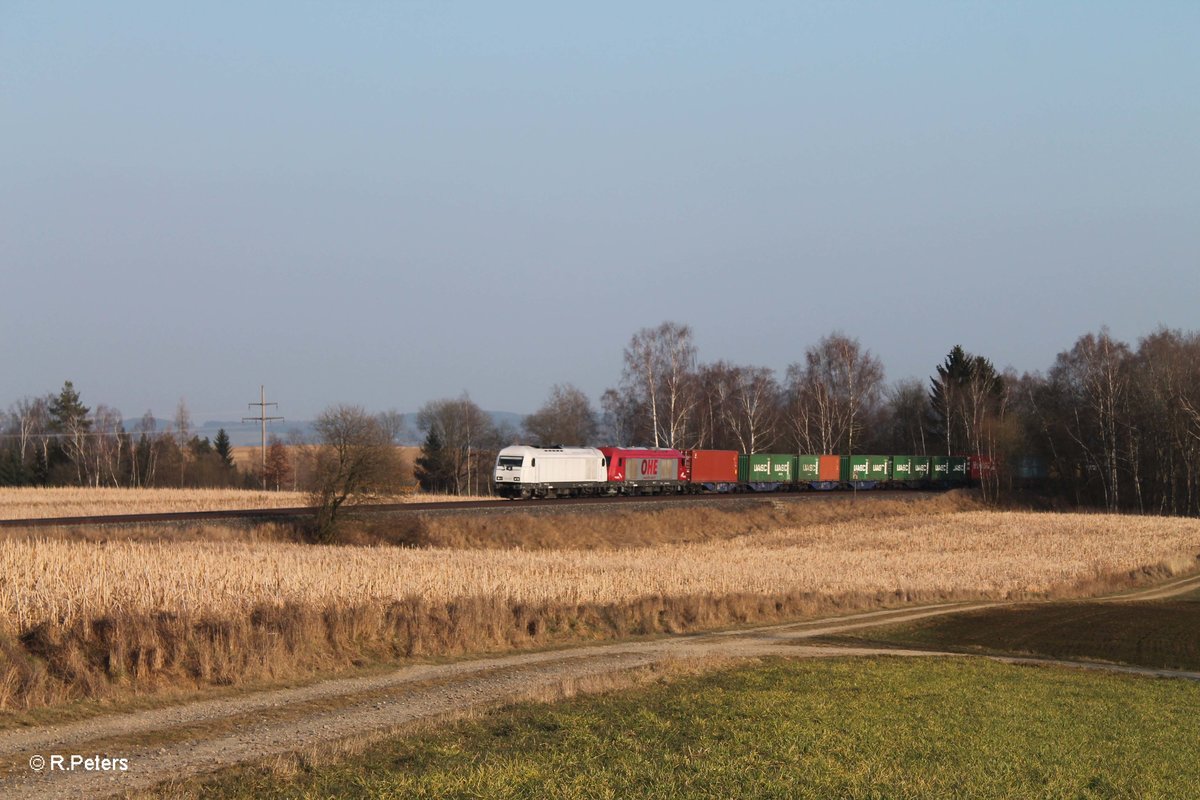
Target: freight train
point(526, 472)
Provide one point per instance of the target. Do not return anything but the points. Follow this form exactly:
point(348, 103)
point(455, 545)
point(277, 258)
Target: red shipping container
point(712, 466)
point(830, 468)
point(980, 466)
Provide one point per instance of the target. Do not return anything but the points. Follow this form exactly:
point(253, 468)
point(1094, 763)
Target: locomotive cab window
point(511, 461)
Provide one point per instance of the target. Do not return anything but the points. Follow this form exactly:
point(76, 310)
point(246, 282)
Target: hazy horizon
point(388, 204)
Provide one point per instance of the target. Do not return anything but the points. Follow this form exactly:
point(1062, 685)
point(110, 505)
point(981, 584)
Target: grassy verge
point(1161, 633)
point(904, 728)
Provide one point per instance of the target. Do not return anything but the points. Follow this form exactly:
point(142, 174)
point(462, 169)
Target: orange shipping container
point(713, 466)
point(831, 468)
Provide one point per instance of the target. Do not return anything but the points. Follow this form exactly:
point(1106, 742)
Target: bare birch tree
point(1094, 373)
point(834, 390)
point(752, 408)
point(659, 377)
point(107, 446)
point(30, 417)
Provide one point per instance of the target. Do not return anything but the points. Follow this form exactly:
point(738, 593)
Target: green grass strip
point(853, 728)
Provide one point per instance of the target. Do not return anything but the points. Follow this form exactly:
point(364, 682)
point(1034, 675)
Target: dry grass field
point(91, 618)
point(37, 502)
point(978, 554)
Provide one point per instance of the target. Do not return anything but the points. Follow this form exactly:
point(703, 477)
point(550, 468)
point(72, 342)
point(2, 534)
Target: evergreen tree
point(67, 412)
point(960, 377)
point(435, 466)
point(69, 418)
point(12, 471)
point(224, 448)
point(40, 471)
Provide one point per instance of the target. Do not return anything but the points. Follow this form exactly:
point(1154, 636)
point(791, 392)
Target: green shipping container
point(920, 467)
point(910, 469)
point(766, 468)
point(958, 469)
point(949, 469)
point(939, 469)
point(866, 468)
point(808, 469)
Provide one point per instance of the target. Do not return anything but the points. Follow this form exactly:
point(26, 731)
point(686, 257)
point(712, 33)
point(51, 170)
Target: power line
point(112, 432)
point(264, 419)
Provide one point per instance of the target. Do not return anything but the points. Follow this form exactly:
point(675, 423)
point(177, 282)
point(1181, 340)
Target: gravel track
point(203, 736)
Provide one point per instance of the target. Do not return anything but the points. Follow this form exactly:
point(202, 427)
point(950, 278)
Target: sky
point(384, 203)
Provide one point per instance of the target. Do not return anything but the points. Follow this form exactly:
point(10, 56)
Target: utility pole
point(264, 419)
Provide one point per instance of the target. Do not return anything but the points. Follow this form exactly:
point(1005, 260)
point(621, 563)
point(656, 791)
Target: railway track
point(466, 506)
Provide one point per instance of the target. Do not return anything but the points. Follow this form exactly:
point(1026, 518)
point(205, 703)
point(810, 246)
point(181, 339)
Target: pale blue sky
point(384, 203)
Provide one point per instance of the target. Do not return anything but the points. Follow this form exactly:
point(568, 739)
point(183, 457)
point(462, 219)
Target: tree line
point(1115, 426)
point(56, 440)
point(1108, 425)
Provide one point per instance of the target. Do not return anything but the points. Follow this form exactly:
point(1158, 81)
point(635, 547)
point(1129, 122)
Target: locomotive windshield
point(511, 461)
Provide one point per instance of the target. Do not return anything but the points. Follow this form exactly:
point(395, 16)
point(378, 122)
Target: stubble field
point(999, 555)
point(40, 502)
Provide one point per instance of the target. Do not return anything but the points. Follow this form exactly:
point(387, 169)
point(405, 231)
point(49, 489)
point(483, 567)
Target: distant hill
point(242, 434)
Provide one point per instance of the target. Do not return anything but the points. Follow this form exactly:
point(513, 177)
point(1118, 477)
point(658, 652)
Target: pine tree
point(69, 418)
point(12, 471)
point(224, 448)
point(434, 468)
point(950, 391)
point(943, 400)
point(67, 412)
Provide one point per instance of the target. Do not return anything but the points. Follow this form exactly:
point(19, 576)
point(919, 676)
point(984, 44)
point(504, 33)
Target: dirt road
point(180, 741)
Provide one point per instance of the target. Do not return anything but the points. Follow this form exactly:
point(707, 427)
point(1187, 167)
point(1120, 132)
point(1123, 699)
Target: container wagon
point(866, 472)
point(948, 470)
point(712, 470)
point(820, 473)
point(767, 472)
point(980, 466)
point(910, 472)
